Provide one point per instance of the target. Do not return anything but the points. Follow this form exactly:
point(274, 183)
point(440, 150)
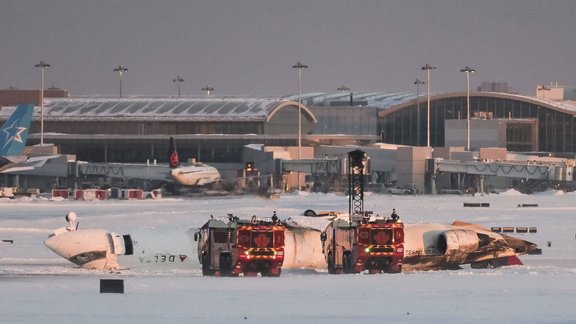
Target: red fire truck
point(235, 246)
point(359, 243)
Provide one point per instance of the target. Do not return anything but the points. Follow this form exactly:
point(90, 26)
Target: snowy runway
point(38, 286)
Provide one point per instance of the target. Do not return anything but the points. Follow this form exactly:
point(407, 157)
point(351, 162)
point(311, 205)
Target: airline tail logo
point(14, 132)
point(173, 154)
point(174, 159)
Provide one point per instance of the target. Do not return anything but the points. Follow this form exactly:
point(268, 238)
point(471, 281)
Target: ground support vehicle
point(357, 246)
point(359, 243)
point(235, 246)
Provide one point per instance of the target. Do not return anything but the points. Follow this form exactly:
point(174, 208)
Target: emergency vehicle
point(361, 243)
point(233, 246)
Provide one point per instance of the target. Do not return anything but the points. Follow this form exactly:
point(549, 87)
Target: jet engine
point(458, 241)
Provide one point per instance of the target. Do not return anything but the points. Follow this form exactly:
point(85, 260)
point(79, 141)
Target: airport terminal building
point(214, 129)
point(526, 123)
point(138, 129)
point(217, 130)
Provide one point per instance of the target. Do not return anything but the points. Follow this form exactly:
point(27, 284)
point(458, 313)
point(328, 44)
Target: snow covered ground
point(37, 286)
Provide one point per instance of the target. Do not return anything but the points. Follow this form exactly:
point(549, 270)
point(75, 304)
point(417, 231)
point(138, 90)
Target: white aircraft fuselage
point(427, 247)
point(198, 174)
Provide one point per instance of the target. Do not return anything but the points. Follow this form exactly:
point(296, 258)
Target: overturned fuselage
point(426, 247)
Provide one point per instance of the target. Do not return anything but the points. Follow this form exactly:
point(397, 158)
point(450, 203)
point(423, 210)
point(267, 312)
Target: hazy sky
point(248, 47)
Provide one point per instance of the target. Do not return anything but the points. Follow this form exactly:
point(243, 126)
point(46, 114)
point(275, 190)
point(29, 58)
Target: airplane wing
point(520, 246)
point(30, 164)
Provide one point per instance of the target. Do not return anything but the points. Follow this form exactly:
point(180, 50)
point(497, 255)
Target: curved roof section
point(382, 100)
point(183, 109)
point(567, 107)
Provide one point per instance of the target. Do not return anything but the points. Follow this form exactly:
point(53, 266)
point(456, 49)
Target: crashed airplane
point(426, 247)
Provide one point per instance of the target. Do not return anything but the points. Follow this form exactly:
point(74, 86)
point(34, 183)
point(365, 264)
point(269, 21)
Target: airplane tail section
point(173, 154)
point(14, 132)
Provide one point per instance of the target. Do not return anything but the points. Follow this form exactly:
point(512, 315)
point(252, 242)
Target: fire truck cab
point(359, 245)
point(235, 246)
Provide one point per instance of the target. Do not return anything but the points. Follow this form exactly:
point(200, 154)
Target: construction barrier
point(91, 194)
point(61, 193)
point(133, 194)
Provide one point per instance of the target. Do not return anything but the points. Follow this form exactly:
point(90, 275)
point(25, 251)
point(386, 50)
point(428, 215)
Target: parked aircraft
point(14, 156)
point(427, 247)
point(13, 135)
point(197, 174)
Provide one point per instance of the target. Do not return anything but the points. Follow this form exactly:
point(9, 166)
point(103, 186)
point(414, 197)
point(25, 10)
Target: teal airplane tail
point(14, 132)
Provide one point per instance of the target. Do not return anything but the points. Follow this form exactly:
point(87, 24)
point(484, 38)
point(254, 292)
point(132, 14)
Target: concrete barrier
point(476, 204)
point(510, 229)
point(527, 205)
point(115, 286)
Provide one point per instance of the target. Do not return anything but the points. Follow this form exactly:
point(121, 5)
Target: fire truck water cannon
point(234, 246)
point(361, 243)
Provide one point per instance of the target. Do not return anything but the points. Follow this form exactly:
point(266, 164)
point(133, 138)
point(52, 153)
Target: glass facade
point(349, 120)
point(136, 130)
point(407, 126)
point(130, 150)
point(135, 127)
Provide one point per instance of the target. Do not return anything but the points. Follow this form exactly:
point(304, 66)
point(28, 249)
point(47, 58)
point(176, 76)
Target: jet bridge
point(314, 166)
point(521, 170)
point(123, 170)
point(501, 169)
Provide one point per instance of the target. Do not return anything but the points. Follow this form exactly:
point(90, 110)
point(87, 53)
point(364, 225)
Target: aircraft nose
point(57, 245)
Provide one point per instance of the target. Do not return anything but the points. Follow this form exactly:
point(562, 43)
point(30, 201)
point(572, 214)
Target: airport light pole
point(178, 80)
point(208, 89)
point(120, 69)
point(42, 65)
point(468, 70)
point(299, 66)
point(418, 83)
point(428, 68)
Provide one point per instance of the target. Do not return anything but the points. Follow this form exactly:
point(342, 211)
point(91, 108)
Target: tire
point(225, 264)
point(309, 212)
point(394, 269)
point(347, 262)
point(272, 272)
point(331, 267)
point(206, 266)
